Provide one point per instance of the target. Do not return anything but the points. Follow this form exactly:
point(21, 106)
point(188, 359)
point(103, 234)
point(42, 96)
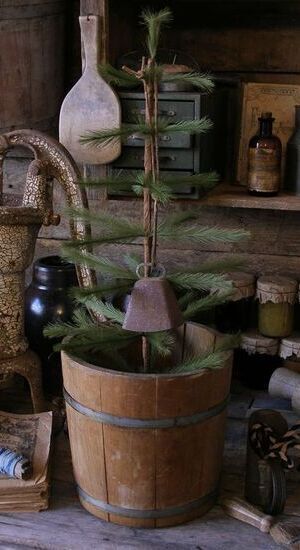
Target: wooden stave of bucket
point(156, 476)
point(32, 65)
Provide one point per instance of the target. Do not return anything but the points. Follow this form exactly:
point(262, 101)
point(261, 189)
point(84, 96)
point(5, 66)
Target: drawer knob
point(161, 112)
point(161, 157)
point(167, 157)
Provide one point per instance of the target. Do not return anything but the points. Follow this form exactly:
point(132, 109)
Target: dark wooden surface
point(67, 526)
point(237, 196)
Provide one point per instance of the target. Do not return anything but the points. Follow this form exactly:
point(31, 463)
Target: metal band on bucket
point(147, 514)
point(150, 423)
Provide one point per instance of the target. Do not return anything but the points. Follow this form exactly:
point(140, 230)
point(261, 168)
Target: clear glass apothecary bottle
point(276, 296)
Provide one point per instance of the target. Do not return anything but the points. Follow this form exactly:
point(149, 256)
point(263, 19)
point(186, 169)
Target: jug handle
point(52, 161)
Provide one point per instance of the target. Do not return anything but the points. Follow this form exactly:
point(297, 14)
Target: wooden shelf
point(236, 196)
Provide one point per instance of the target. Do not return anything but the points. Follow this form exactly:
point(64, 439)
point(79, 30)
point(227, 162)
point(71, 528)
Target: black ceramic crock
point(47, 300)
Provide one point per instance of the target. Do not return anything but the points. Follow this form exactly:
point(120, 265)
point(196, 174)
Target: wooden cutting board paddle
point(90, 105)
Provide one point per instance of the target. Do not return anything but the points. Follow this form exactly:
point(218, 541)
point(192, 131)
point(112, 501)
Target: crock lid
point(243, 284)
point(276, 289)
point(290, 346)
point(253, 342)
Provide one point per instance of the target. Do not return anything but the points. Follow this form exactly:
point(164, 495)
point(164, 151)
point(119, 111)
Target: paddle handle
point(89, 26)
point(242, 510)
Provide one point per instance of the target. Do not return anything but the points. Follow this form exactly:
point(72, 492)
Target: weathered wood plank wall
point(260, 43)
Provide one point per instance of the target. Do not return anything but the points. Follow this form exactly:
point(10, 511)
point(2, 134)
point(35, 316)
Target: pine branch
point(187, 298)
point(205, 304)
point(200, 126)
point(202, 235)
point(105, 220)
point(105, 309)
point(206, 180)
point(211, 360)
point(81, 322)
point(199, 80)
point(92, 342)
point(111, 182)
point(214, 360)
point(132, 261)
point(102, 265)
point(89, 338)
point(103, 291)
point(154, 22)
point(163, 189)
point(162, 343)
point(107, 136)
point(117, 77)
point(200, 281)
point(119, 236)
point(113, 228)
point(220, 266)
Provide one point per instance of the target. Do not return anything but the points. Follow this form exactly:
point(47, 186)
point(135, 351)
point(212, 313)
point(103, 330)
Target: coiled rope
point(267, 445)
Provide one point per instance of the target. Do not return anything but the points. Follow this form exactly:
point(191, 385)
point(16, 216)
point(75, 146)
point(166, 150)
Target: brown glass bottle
point(264, 159)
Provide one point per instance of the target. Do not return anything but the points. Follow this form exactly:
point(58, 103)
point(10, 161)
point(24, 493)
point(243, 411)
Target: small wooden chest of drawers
point(179, 153)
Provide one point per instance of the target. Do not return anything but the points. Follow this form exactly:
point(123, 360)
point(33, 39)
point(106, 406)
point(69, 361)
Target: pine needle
point(132, 261)
point(105, 220)
point(162, 343)
point(200, 281)
point(205, 304)
point(200, 126)
point(102, 265)
point(220, 266)
point(107, 136)
point(112, 228)
point(205, 180)
point(106, 310)
point(121, 236)
point(154, 22)
point(211, 360)
point(202, 235)
point(214, 360)
point(93, 342)
point(111, 182)
point(117, 77)
point(101, 291)
point(199, 80)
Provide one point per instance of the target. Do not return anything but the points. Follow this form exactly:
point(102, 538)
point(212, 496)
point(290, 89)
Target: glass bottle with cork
point(264, 159)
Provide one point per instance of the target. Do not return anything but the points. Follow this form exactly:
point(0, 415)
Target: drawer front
point(180, 140)
point(170, 159)
point(181, 191)
point(173, 110)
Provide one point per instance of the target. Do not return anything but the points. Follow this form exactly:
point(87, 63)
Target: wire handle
point(156, 271)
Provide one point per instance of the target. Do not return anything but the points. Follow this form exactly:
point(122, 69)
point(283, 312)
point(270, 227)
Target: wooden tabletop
point(67, 526)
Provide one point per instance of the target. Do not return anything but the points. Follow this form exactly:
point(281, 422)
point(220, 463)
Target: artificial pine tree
point(97, 324)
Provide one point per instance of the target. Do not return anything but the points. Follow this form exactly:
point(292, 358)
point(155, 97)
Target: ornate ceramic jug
point(20, 221)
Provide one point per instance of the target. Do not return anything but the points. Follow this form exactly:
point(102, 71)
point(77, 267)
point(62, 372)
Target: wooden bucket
point(32, 63)
point(147, 449)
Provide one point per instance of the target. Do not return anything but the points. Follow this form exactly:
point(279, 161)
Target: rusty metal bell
point(152, 307)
